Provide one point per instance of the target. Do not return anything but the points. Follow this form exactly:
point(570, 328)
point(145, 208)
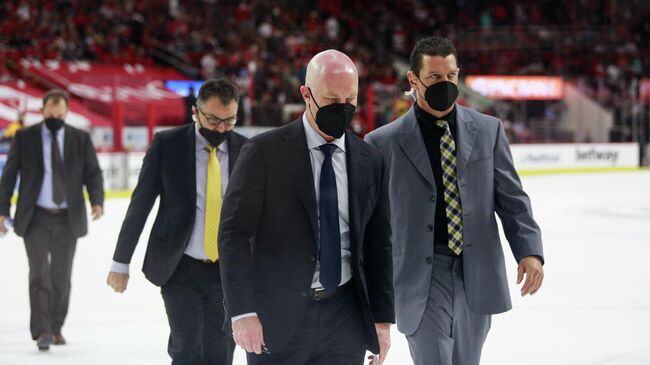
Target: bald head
point(330, 64)
point(332, 79)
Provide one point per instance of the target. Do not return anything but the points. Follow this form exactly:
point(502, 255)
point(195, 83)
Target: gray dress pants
point(450, 333)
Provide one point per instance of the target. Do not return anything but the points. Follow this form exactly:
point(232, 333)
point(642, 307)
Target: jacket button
point(303, 293)
point(429, 260)
point(433, 198)
point(429, 228)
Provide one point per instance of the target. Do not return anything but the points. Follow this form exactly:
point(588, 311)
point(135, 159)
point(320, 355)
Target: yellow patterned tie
point(212, 205)
point(452, 194)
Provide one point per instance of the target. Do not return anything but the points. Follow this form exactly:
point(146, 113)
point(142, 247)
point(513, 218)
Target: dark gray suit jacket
point(169, 172)
point(488, 183)
point(269, 228)
point(80, 167)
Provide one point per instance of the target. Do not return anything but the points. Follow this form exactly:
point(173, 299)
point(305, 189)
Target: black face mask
point(333, 119)
point(441, 95)
point(214, 138)
point(53, 124)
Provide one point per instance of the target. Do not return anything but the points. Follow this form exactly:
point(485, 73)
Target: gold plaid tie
point(452, 194)
point(212, 206)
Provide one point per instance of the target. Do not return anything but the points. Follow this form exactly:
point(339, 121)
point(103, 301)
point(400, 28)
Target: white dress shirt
point(195, 246)
point(45, 198)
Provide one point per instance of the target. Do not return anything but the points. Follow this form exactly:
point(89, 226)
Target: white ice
point(594, 307)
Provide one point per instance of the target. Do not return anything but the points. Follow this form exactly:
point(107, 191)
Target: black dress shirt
point(431, 134)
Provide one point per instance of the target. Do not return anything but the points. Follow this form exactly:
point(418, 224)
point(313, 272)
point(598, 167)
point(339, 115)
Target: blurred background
point(560, 72)
point(569, 79)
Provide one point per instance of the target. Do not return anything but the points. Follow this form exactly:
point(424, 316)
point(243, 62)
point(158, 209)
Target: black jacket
point(80, 167)
point(269, 223)
point(168, 171)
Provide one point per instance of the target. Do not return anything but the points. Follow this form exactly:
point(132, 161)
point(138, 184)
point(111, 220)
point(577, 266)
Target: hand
point(117, 281)
point(532, 267)
point(97, 212)
point(248, 334)
point(3, 229)
point(383, 334)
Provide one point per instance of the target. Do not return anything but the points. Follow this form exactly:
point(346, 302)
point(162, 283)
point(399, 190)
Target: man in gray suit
point(451, 170)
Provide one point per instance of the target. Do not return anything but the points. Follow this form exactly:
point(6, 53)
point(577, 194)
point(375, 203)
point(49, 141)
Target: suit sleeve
point(378, 261)
point(144, 196)
point(513, 205)
point(240, 216)
point(9, 175)
point(93, 178)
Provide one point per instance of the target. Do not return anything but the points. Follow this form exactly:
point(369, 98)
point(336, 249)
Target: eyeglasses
point(215, 121)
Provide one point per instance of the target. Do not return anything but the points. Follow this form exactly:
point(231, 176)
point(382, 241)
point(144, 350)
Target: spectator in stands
point(208, 65)
point(570, 39)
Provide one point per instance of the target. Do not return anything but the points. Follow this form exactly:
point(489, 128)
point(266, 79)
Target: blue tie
point(330, 234)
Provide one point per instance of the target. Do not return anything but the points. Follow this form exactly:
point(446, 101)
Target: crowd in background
point(596, 44)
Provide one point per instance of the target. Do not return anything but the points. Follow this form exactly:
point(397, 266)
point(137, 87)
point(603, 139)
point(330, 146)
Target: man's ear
point(410, 75)
point(195, 113)
point(306, 96)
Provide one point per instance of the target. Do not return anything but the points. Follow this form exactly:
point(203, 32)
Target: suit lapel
point(411, 141)
point(67, 148)
point(186, 163)
point(357, 158)
point(38, 147)
point(295, 156)
point(234, 146)
point(465, 137)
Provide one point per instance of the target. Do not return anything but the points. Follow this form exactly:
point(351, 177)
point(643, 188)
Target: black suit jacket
point(268, 236)
point(80, 167)
point(168, 171)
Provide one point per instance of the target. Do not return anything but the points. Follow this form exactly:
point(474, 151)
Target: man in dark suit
point(451, 171)
point(304, 242)
point(54, 161)
point(188, 168)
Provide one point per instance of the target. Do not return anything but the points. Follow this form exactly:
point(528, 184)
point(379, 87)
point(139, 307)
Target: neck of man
point(438, 114)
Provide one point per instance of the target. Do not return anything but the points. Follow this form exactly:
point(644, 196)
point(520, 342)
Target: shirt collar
point(202, 143)
point(46, 132)
point(314, 140)
point(428, 121)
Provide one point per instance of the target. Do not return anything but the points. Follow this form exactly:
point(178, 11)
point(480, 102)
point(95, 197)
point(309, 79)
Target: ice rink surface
point(594, 307)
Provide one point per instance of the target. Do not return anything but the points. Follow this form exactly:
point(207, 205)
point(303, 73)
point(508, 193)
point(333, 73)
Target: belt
point(320, 294)
point(53, 210)
point(205, 262)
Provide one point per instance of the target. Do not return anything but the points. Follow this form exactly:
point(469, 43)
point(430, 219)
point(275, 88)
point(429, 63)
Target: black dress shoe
point(59, 340)
point(44, 341)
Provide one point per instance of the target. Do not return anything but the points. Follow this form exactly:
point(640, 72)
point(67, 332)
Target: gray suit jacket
point(488, 183)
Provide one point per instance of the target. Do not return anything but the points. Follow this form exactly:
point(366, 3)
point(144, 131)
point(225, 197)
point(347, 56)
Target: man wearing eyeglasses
point(188, 168)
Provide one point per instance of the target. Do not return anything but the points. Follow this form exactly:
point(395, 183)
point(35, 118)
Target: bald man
point(304, 243)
